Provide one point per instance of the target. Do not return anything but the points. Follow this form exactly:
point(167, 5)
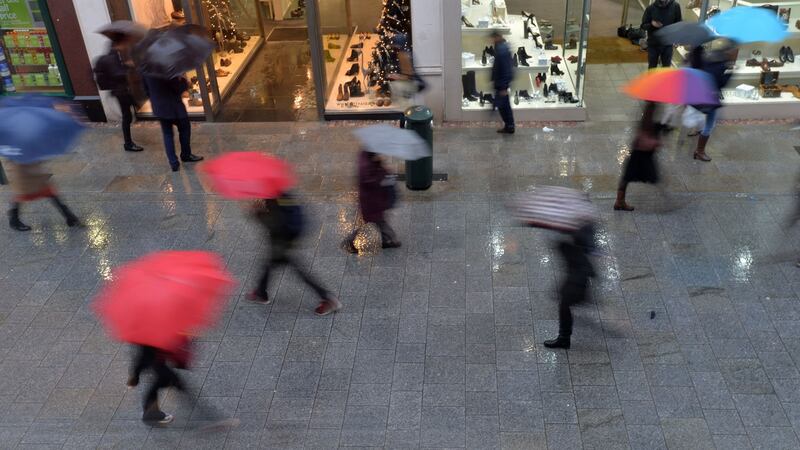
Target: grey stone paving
point(439, 343)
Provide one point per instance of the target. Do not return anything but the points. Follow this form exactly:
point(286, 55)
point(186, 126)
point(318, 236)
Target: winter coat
point(503, 69)
point(114, 71)
point(667, 14)
point(374, 197)
point(165, 97)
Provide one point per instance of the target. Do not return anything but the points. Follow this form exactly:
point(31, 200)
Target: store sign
point(15, 14)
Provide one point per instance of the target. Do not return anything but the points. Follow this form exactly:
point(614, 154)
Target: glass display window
point(30, 61)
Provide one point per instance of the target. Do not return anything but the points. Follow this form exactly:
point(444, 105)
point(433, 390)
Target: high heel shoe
point(528, 15)
point(467, 22)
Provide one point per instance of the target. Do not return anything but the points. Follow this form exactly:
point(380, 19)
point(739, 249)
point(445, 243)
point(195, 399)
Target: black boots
point(353, 55)
point(132, 147)
point(523, 57)
point(353, 70)
point(72, 220)
point(486, 51)
point(515, 60)
point(554, 70)
point(559, 342)
point(13, 219)
point(468, 84)
point(483, 58)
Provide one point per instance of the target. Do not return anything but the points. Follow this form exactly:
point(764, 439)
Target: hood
point(664, 3)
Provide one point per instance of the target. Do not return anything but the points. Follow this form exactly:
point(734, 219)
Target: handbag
point(692, 118)
point(623, 31)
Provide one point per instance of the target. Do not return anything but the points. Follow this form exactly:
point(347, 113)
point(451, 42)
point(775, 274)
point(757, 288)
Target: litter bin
point(419, 173)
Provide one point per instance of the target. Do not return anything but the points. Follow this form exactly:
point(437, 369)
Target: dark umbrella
point(169, 54)
point(685, 33)
point(121, 29)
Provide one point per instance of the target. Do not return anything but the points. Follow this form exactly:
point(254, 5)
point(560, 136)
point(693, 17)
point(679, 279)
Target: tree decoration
point(395, 20)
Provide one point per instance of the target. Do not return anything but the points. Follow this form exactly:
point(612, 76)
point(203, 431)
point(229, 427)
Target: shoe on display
point(482, 101)
point(353, 70)
point(789, 54)
point(328, 57)
point(516, 98)
point(490, 51)
point(340, 94)
point(775, 63)
point(573, 59)
point(528, 15)
point(483, 58)
point(752, 62)
point(524, 94)
point(468, 86)
point(359, 45)
point(555, 59)
point(523, 54)
point(538, 80)
point(554, 70)
point(222, 73)
point(466, 22)
point(353, 56)
point(515, 60)
point(550, 46)
point(522, 61)
point(334, 46)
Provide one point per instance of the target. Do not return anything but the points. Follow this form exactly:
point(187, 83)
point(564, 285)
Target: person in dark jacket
point(112, 70)
point(656, 16)
point(719, 64)
point(376, 195)
point(641, 163)
point(282, 218)
point(154, 359)
point(165, 97)
point(575, 288)
point(502, 75)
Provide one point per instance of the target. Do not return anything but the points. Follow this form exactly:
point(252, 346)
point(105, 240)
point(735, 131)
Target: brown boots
point(700, 151)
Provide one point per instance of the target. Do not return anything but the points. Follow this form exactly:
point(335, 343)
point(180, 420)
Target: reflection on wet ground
point(692, 339)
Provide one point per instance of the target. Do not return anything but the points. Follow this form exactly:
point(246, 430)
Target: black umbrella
point(171, 53)
point(685, 33)
point(121, 29)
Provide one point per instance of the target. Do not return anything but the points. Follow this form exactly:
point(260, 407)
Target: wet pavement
point(439, 342)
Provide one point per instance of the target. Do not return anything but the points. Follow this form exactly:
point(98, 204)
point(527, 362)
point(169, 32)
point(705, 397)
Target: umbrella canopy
point(35, 133)
point(555, 208)
point(169, 54)
point(249, 175)
point(393, 141)
point(685, 33)
point(677, 86)
point(122, 29)
point(745, 24)
point(158, 299)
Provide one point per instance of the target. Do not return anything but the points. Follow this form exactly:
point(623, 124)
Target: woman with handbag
point(641, 163)
point(376, 195)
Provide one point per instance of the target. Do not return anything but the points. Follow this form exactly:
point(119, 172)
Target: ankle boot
point(353, 70)
point(559, 342)
point(522, 61)
point(515, 60)
point(700, 151)
point(620, 204)
point(328, 57)
point(71, 219)
point(525, 28)
point(465, 85)
point(516, 98)
point(482, 102)
point(471, 87)
point(353, 56)
point(13, 220)
point(483, 58)
point(523, 53)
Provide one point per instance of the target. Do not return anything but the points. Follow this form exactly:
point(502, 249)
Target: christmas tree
point(220, 19)
point(395, 20)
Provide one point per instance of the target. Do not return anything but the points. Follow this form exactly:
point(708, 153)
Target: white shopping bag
point(693, 119)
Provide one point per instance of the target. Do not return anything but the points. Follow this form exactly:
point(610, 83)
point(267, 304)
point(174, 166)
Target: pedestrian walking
point(575, 288)
point(283, 219)
point(111, 73)
point(30, 182)
point(167, 102)
point(718, 63)
point(656, 16)
point(155, 360)
point(406, 82)
point(502, 75)
point(376, 195)
point(641, 163)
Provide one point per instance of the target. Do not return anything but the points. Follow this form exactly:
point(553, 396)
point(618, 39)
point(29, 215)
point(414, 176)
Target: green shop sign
point(15, 14)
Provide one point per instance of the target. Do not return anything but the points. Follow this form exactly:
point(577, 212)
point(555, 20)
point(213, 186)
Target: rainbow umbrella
point(745, 24)
point(677, 86)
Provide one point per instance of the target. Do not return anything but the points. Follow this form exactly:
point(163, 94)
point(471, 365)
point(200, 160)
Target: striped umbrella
point(555, 208)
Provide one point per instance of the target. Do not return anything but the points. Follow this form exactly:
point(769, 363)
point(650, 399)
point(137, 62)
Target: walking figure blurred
point(111, 72)
point(574, 290)
point(376, 195)
point(30, 183)
point(283, 219)
point(502, 75)
point(155, 360)
point(641, 163)
point(718, 63)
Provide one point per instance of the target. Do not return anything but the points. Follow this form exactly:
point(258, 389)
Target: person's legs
point(503, 104)
point(702, 140)
point(164, 378)
point(185, 136)
point(653, 54)
point(666, 56)
point(72, 219)
point(169, 142)
point(125, 106)
point(388, 236)
point(307, 278)
point(13, 218)
point(620, 204)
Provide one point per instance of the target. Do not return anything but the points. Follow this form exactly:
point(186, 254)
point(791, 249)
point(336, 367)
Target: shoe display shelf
point(367, 104)
point(239, 61)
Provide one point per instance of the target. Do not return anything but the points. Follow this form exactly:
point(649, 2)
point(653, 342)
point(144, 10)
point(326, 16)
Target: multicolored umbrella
point(158, 299)
point(556, 208)
point(677, 86)
point(745, 24)
point(249, 175)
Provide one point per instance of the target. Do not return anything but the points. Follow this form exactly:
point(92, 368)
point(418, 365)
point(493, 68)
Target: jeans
point(126, 106)
point(659, 52)
point(279, 255)
point(711, 120)
point(184, 135)
point(503, 104)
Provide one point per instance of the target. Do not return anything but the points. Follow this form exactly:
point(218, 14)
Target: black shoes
point(359, 45)
point(483, 58)
point(353, 70)
point(515, 60)
point(467, 22)
point(353, 55)
point(490, 51)
point(785, 54)
point(554, 70)
point(559, 342)
point(523, 53)
point(516, 98)
point(506, 130)
point(524, 94)
point(175, 167)
point(481, 99)
point(191, 158)
point(353, 87)
point(468, 85)
point(132, 147)
point(523, 57)
point(14, 222)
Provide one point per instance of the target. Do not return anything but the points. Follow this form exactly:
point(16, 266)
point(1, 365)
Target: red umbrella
point(158, 298)
point(249, 175)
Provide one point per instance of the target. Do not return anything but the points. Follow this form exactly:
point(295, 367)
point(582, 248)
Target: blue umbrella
point(34, 133)
point(745, 24)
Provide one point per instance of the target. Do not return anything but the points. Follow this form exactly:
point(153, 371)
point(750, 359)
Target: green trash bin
point(419, 173)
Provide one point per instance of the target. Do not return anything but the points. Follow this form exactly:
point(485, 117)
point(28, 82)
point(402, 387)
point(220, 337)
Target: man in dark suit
point(658, 15)
point(165, 97)
point(502, 75)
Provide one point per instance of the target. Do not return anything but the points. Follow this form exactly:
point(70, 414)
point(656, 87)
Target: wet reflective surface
point(439, 342)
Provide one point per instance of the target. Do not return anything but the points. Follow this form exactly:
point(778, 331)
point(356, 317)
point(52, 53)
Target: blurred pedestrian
point(30, 182)
point(656, 16)
point(641, 163)
point(155, 360)
point(112, 72)
point(406, 83)
point(575, 288)
point(283, 219)
point(502, 75)
point(376, 195)
point(718, 63)
point(167, 102)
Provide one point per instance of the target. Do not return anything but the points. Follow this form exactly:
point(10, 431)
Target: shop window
point(29, 57)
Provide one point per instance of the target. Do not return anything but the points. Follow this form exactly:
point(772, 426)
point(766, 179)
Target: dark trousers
point(387, 233)
point(279, 256)
point(184, 135)
point(126, 105)
point(503, 104)
point(575, 288)
point(656, 53)
point(149, 358)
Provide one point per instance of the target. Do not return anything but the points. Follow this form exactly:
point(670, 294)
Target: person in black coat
point(718, 63)
point(656, 16)
point(167, 102)
point(112, 70)
point(502, 75)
